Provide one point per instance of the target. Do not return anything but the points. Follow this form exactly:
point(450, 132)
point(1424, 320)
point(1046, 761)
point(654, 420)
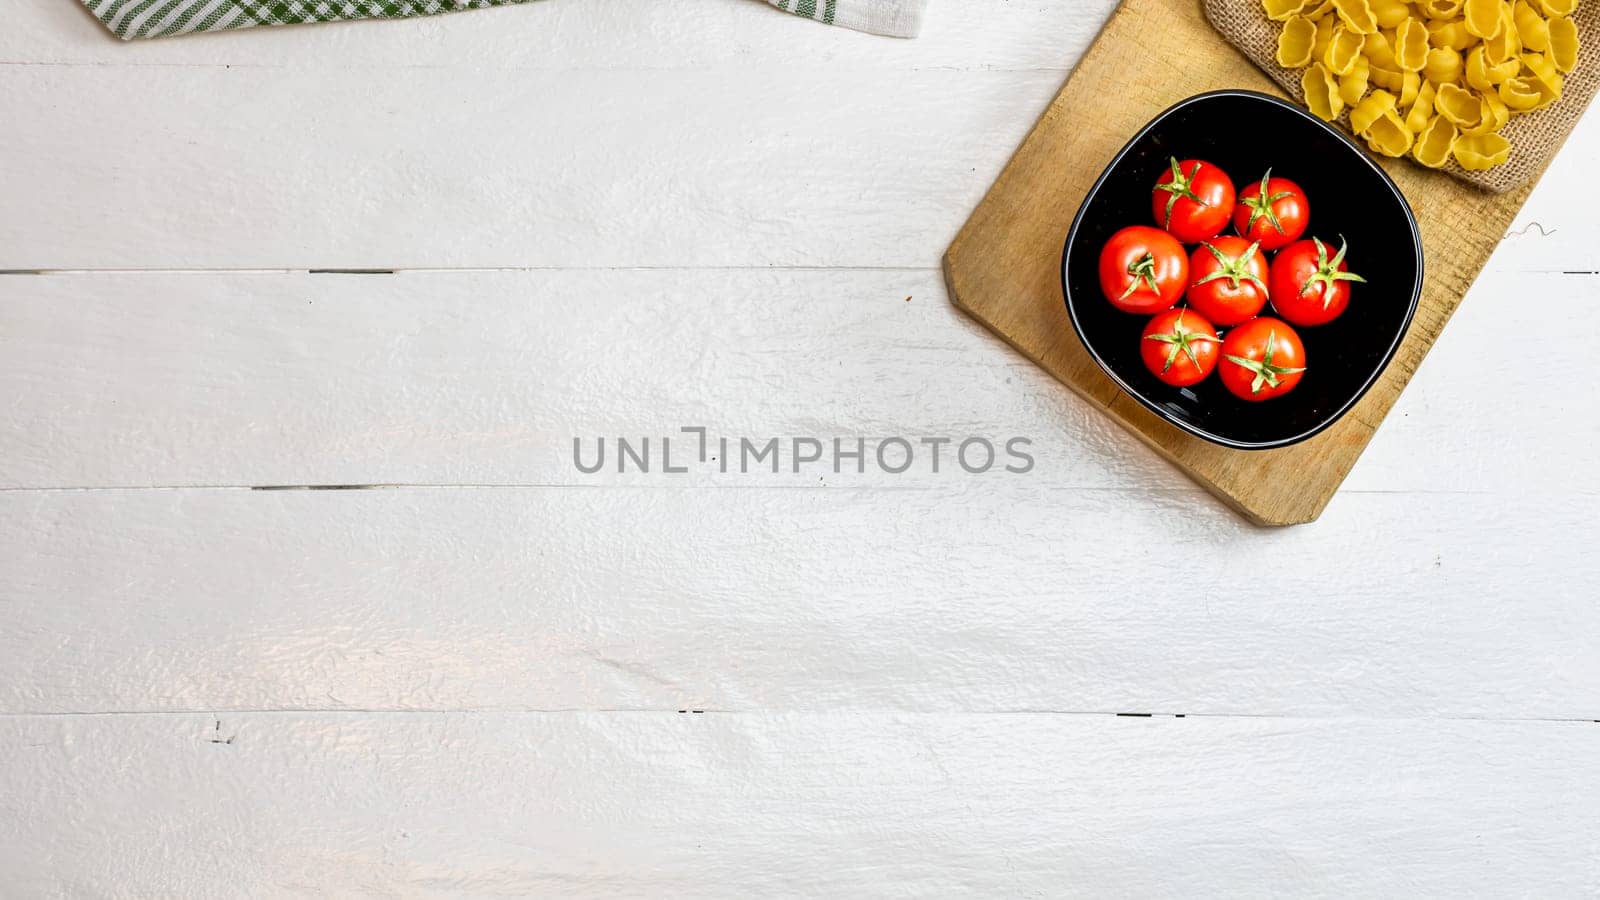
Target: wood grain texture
point(167, 379)
point(977, 594)
point(1004, 266)
point(209, 691)
point(650, 805)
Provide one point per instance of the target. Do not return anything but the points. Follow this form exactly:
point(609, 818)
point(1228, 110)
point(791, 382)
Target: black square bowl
point(1246, 133)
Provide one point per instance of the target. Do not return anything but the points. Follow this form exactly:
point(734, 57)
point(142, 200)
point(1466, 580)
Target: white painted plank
point(585, 34)
point(788, 143)
point(831, 805)
point(487, 377)
point(1567, 235)
point(161, 167)
point(980, 594)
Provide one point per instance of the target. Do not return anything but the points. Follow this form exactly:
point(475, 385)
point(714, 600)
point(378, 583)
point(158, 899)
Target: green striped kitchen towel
point(130, 19)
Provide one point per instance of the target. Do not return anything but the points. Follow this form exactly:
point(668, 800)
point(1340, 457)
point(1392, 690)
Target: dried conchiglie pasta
point(1353, 84)
point(1493, 114)
point(1389, 135)
point(1343, 50)
point(1388, 79)
point(1483, 17)
point(1421, 109)
point(1411, 45)
point(1390, 13)
point(1544, 75)
point(1477, 153)
point(1411, 82)
point(1432, 147)
point(1294, 42)
point(1434, 79)
point(1476, 72)
point(1499, 72)
point(1504, 45)
point(1370, 109)
point(1484, 77)
point(1497, 110)
point(1563, 44)
point(1457, 104)
point(1531, 27)
point(1452, 34)
point(1443, 66)
point(1319, 45)
point(1520, 94)
point(1356, 15)
point(1281, 10)
point(1322, 92)
point(1379, 51)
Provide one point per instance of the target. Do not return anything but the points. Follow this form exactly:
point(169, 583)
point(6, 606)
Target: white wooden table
point(485, 675)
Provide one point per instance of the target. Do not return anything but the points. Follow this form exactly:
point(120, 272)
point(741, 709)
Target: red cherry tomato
point(1227, 279)
point(1274, 212)
point(1180, 347)
point(1308, 288)
point(1262, 359)
point(1143, 269)
point(1193, 200)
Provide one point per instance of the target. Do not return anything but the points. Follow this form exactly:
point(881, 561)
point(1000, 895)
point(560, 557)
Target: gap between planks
point(845, 712)
point(537, 486)
point(401, 270)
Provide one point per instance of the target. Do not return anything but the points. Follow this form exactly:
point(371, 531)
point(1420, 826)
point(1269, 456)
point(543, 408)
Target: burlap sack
point(1535, 137)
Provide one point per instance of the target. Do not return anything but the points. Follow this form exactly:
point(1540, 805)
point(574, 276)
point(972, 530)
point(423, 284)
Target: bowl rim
point(1146, 402)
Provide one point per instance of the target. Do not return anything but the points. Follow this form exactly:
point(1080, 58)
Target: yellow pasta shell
point(1504, 44)
point(1452, 34)
point(1411, 45)
point(1343, 50)
point(1483, 17)
point(1519, 93)
point(1499, 72)
point(1319, 45)
point(1388, 135)
point(1421, 109)
point(1563, 44)
point(1410, 83)
point(1531, 27)
point(1294, 42)
point(1457, 104)
point(1543, 73)
point(1356, 15)
point(1436, 79)
point(1443, 66)
point(1390, 13)
point(1477, 71)
point(1432, 147)
point(1380, 51)
point(1388, 79)
point(1353, 84)
point(1476, 153)
point(1281, 10)
point(1370, 109)
point(1322, 93)
point(1493, 114)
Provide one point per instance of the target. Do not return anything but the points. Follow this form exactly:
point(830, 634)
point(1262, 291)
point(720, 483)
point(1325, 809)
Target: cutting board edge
point(1253, 516)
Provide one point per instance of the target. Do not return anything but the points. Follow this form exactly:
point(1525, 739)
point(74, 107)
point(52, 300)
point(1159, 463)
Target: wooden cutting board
point(1004, 267)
